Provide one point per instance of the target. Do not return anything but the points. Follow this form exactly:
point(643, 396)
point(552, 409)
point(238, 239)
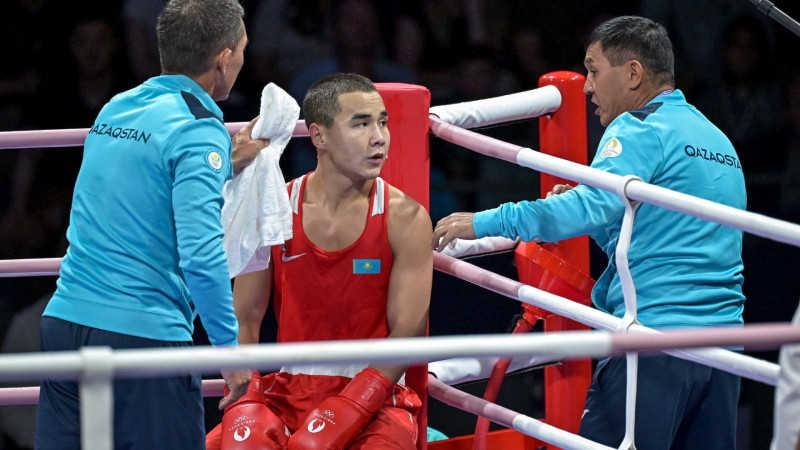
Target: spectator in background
point(451, 26)
point(404, 25)
point(357, 48)
point(33, 224)
point(696, 29)
point(529, 60)
point(789, 204)
point(96, 69)
point(36, 220)
point(28, 52)
point(139, 18)
point(746, 104)
point(480, 75)
point(285, 38)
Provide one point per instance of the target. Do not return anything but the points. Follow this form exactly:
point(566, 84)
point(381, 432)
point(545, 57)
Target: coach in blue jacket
point(145, 240)
point(687, 271)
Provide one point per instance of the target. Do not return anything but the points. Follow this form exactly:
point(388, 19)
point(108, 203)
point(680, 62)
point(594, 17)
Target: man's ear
point(317, 135)
point(635, 74)
point(223, 58)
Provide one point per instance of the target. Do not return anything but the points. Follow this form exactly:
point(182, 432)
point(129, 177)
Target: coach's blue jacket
point(687, 271)
point(145, 240)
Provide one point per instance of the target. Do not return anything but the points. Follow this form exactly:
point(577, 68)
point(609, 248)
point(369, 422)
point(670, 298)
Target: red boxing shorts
point(292, 397)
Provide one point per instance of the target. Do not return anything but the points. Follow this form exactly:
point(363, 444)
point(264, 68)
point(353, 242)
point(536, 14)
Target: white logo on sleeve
point(612, 148)
point(214, 160)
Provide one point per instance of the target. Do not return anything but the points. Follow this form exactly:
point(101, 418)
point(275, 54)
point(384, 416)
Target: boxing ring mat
point(408, 169)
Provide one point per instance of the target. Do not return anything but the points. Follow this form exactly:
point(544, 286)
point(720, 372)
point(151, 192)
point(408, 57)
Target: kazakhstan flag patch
point(366, 266)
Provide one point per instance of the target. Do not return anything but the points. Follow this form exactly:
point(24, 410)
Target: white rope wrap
point(507, 108)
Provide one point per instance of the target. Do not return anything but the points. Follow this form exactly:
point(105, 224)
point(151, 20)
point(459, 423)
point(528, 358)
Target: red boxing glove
point(336, 422)
point(249, 424)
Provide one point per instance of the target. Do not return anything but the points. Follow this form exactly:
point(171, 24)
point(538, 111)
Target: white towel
point(464, 248)
point(256, 214)
point(460, 370)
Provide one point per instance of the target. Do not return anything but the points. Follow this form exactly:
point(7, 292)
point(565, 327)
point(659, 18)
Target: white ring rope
point(509, 418)
point(30, 395)
point(507, 108)
point(449, 371)
point(742, 365)
point(629, 319)
point(777, 230)
point(29, 267)
point(566, 345)
point(133, 363)
point(74, 137)
point(103, 367)
point(518, 106)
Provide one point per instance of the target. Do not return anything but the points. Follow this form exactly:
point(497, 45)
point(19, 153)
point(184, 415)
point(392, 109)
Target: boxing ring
point(558, 104)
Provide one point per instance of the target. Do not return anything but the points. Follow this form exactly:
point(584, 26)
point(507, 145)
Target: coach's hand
point(245, 148)
point(454, 226)
point(558, 189)
point(237, 382)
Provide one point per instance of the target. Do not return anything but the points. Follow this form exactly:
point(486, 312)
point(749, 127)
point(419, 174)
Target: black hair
point(191, 33)
point(627, 38)
point(321, 103)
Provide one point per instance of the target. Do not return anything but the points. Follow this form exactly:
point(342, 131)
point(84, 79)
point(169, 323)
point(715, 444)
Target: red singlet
point(322, 295)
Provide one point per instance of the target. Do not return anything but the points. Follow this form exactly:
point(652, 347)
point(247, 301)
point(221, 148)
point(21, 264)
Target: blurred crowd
point(64, 60)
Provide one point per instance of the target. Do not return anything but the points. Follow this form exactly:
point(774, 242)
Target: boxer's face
point(358, 140)
point(607, 85)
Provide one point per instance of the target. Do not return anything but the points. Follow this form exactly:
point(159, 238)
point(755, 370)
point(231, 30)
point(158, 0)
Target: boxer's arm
point(410, 234)
point(251, 293)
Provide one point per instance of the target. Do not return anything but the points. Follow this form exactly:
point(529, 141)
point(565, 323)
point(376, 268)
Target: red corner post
point(408, 169)
point(563, 134)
